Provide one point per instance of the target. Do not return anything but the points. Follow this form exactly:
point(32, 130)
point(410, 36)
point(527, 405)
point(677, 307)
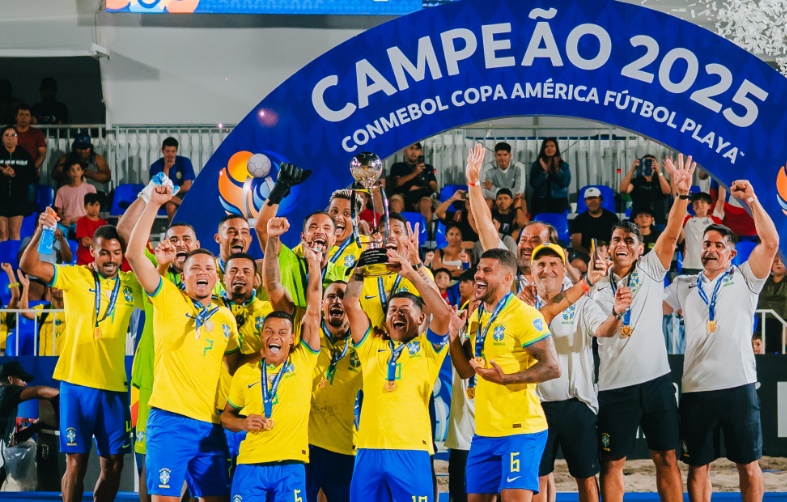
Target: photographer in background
point(647, 188)
point(413, 178)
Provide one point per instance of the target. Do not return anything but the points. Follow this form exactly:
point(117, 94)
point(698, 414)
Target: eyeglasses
point(13, 135)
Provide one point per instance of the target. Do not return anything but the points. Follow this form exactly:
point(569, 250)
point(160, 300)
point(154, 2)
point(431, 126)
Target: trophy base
point(372, 262)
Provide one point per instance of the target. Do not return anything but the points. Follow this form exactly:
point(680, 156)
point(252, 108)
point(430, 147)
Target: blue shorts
point(331, 472)
point(183, 449)
point(86, 413)
point(233, 442)
point(271, 482)
point(392, 475)
point(505, 463)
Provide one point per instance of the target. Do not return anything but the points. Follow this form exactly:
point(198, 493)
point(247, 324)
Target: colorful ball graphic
point(781, 189)
point(247, 180)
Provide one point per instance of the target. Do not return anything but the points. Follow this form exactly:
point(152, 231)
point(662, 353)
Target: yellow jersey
point(288, 440)
point(188, 363)
point(250, 316)
point(51, 326)
point(507, 410)
point(335, 388)
point(378, 290)
point(93, 357)
point(383, 412)
point(343, 255)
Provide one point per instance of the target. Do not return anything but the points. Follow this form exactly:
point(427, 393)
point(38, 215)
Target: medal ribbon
point(614, 285)
point(712, 303)
point(203, 314)
point(341, 249)
point(112, 299)
point(221, 263)
point(269, 395)
point(335, 356)
point(481, 334)
point(383, 294)
point(395, 353)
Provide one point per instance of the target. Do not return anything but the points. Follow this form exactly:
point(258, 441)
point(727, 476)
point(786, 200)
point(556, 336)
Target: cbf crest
point(349, 261)
point(163, 477)
point(128, 295)
point(499, 333)
point(71, 436)
point(414, 347)
point(635, 282)
point(225, 328)
point(569, 313)
point(258, 322)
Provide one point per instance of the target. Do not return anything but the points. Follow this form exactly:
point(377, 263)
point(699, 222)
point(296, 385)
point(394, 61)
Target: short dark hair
point(315, 213)
point(279, 314)
point(442, 270)
point(71, 161)
point(196, 252)
point(182, 224)
point(23, 106)
point(12, 127)
point(92, 198)
point(243, 256)
point(231, 216)
point(504, 256)
point(108, 233)
point(725, 232)
point(417, 300)
point(397, 217)
point(346, 194)
point(169, 142)
point(504, 191)
point(503, 146)
point(629, 228)
point(702, 196)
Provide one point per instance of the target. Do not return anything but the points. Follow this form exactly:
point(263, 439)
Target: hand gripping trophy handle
point(366, 168)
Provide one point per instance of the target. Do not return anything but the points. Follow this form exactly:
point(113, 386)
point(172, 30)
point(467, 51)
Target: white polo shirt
point(693, 230)
point(643, 356)
point(723, 359)
point(572, 332)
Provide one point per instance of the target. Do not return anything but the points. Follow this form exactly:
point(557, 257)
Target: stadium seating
point(8, 253)
point(418, 218)
point(73, 245)
point(29, 225)
point(607, 198)
point(44, 198)
point(125, 195)
point(560, 222)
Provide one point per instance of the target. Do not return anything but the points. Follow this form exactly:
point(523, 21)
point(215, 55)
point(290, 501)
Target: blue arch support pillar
point(475, 60)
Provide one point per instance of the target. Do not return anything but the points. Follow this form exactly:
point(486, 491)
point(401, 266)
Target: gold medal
point(97, 333)
point(471, 393)
point(208, 326)
point(269, 424)
point(626, 331)
point(322, 383)
point(390, 386)
point(480, 362)
point(711, 326)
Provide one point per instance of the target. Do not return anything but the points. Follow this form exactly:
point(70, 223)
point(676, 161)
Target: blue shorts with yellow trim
point(391, 476)
point(505, 463)
point(269, 482)
point(183, 449)
point(87, 413)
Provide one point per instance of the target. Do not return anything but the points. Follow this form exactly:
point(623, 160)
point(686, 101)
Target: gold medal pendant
point(480, 362)
point(711, 326)
point(97, 333)
point(390, 386)
point(626, 331)
point(471, 393)
point(269, 424)
point(322, 383)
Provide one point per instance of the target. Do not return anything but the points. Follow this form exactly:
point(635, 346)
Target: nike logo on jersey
point(602, 289)
point(511, 480)
point(252, 385)
point(368, 297)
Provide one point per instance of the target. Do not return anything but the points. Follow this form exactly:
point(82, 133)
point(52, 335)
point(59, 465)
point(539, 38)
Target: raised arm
point(681, 176)
point(443, 207)
point(721, 198)
point(129, 218)
point(460, 352)
point(761, 258)
point(146, 272)
point(271, 272)
point(359, 321)
point(663, 183)
point(289, 176)
point(483, 216)
point(433, 302)
point(625, 184)
point(30, 263)
point(310, 331)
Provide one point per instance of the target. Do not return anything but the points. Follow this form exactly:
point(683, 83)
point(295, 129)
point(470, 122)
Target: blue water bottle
point(47, 239)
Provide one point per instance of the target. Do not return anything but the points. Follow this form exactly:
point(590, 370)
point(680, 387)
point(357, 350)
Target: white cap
point(592, 192)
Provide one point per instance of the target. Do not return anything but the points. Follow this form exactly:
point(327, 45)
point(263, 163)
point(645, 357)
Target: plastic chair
point(744, 249)
point(418, 218)
point(73, 245)
point(447, 191)
point(439, 236)
point(5, 292)
point(8, 253)
point(560, 222)
point(607, 198)
point(26, 333)
point(125, 195)
point(44, 198)
point(29, 225)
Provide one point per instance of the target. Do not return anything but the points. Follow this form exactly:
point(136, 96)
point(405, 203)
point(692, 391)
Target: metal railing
point(765, 312)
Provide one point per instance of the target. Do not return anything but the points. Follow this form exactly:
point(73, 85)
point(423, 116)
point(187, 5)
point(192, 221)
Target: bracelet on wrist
point(586, 278)
point(474, 183)
point(585, 285)
point(417, 266)
point(13, 285)
point(684, 196)
point(751, 200)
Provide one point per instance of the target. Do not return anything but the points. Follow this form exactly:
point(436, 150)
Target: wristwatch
point(684, 197)
point(616, 315)
point(418, 266)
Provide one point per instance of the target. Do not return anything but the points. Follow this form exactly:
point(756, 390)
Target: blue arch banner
point(475, 60)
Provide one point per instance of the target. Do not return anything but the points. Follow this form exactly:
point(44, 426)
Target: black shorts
point(572, 426)
point(650, 405)
point(705, 415)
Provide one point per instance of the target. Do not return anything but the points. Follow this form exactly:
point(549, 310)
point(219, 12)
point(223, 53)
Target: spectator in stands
point(595, 223)
point(49, 110)
point(694, 228)
point(648, 188)
point(426, 209)
point(177, 168)
point(86, 226)
point(61, 253)
point(413, 178)
point(8, 102)
point(509, 212)
point(8, 321)
point(95, 166)
point(644, 218)
point(460, 217)
point(31, 139)
point(774, 296)
point(17, 181)
point(396, 204)
point(453, 257)
point(503, 173)
point(51, 325)
point(756, 343)
point(442, 279)
point(549, 177)
point(734, 215)
point(70, 199)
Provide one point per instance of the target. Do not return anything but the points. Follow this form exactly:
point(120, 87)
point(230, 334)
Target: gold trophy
point(366, 168)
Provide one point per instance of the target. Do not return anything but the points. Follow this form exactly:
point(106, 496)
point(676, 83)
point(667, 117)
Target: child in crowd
point(466, 287)
point(442, 279)
point(644, 219)
point(756, 344)
point(86, 226)
point(694, 229)
point(69, 201)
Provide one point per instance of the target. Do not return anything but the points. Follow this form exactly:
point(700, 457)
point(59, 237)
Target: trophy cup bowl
point(366, 169)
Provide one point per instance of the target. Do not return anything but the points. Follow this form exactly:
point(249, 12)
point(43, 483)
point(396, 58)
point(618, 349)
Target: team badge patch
point(349, 261)
point(499, 333)
point(71, 436)
point(414, 347)
point(163, 477)
point(605, 441)
point(226, 329)
point(538, 324)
